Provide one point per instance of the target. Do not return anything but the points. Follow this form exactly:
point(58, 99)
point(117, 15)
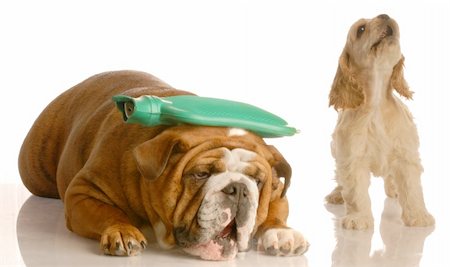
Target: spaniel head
point(372, 44)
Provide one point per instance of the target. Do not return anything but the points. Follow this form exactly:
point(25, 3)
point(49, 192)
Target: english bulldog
point(209, 190)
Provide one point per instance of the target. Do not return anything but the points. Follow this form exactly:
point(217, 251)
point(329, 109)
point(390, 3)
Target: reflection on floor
point(43, 240)
point(403, 246)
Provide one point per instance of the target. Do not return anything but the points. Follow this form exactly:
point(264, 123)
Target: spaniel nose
point(383, 16)
point(237, 190)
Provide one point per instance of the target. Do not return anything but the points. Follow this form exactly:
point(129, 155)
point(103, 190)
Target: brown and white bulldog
point(209, 190)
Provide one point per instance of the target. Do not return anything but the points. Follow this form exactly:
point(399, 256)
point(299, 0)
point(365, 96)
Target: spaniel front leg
point(354, 180)
point(407, 179)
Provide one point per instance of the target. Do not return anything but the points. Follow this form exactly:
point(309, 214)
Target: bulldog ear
point(152, 156)
point(345, 90)
point(281, 167)
point(398, 81)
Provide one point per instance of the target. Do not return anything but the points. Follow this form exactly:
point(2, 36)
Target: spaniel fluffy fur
point(375, 132)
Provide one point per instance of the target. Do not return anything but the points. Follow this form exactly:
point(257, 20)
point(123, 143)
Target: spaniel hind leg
point(389, 187)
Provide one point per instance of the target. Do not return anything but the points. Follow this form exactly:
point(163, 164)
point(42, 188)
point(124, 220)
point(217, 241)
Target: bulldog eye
point(360, 31)
point(201, 175)
point(258, 183)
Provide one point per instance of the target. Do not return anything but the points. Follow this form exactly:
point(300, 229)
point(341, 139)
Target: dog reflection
point(403, 246)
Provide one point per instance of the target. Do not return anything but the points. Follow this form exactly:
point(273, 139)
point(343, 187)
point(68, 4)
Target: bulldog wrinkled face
point(374, 42)
point(226, 215)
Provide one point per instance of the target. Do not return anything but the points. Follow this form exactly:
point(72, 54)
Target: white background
point(279, 55)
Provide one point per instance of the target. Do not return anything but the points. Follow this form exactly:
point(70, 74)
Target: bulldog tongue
point(207, 251)
point(213, 251)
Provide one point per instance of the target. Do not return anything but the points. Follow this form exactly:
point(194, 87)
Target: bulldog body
point(209, 190)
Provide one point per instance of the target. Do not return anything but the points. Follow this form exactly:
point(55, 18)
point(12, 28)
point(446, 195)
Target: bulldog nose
point(236, 190)
point(383, 16)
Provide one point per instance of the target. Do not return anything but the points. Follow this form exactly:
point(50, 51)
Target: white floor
point(34, 234)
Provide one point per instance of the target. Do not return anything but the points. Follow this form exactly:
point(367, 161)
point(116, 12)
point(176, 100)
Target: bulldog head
point(210, 187)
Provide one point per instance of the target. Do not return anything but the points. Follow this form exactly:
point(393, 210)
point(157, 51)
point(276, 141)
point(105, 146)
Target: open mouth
point(227, 239)
point(225, 221)
point(223, 246)
point(229, 232)
point(388, 31)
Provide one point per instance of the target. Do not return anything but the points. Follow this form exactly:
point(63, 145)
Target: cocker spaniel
point(375, 132)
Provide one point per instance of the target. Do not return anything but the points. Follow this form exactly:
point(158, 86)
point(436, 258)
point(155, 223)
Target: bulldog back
point(63, 136)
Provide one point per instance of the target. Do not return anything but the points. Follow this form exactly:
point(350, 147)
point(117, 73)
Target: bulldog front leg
point(89, 213)
point(275, 238)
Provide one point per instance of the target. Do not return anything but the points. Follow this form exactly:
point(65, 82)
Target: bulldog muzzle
point(227, 214)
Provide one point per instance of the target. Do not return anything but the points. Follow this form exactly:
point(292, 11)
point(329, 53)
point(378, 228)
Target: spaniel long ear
point(398, 81)
point(345, 92)
point(153, 155)
point(281, 168)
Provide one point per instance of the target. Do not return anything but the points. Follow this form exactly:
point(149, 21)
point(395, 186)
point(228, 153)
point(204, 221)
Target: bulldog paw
point(357, 222)
point(284, 242)
point(122, 240)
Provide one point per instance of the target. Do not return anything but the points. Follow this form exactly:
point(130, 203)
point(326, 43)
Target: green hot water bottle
point(152, 110)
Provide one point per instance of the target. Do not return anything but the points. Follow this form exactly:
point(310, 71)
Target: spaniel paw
point(357, 222)
point(423, 219)
point(390, 189)
point(284, 242)
point(122, 240)
point(335, 197)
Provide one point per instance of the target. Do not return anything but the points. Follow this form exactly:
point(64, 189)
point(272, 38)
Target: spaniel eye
point(360, 31)
point(201, 175)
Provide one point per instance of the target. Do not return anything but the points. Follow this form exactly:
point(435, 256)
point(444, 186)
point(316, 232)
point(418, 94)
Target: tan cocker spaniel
point(375, 132)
